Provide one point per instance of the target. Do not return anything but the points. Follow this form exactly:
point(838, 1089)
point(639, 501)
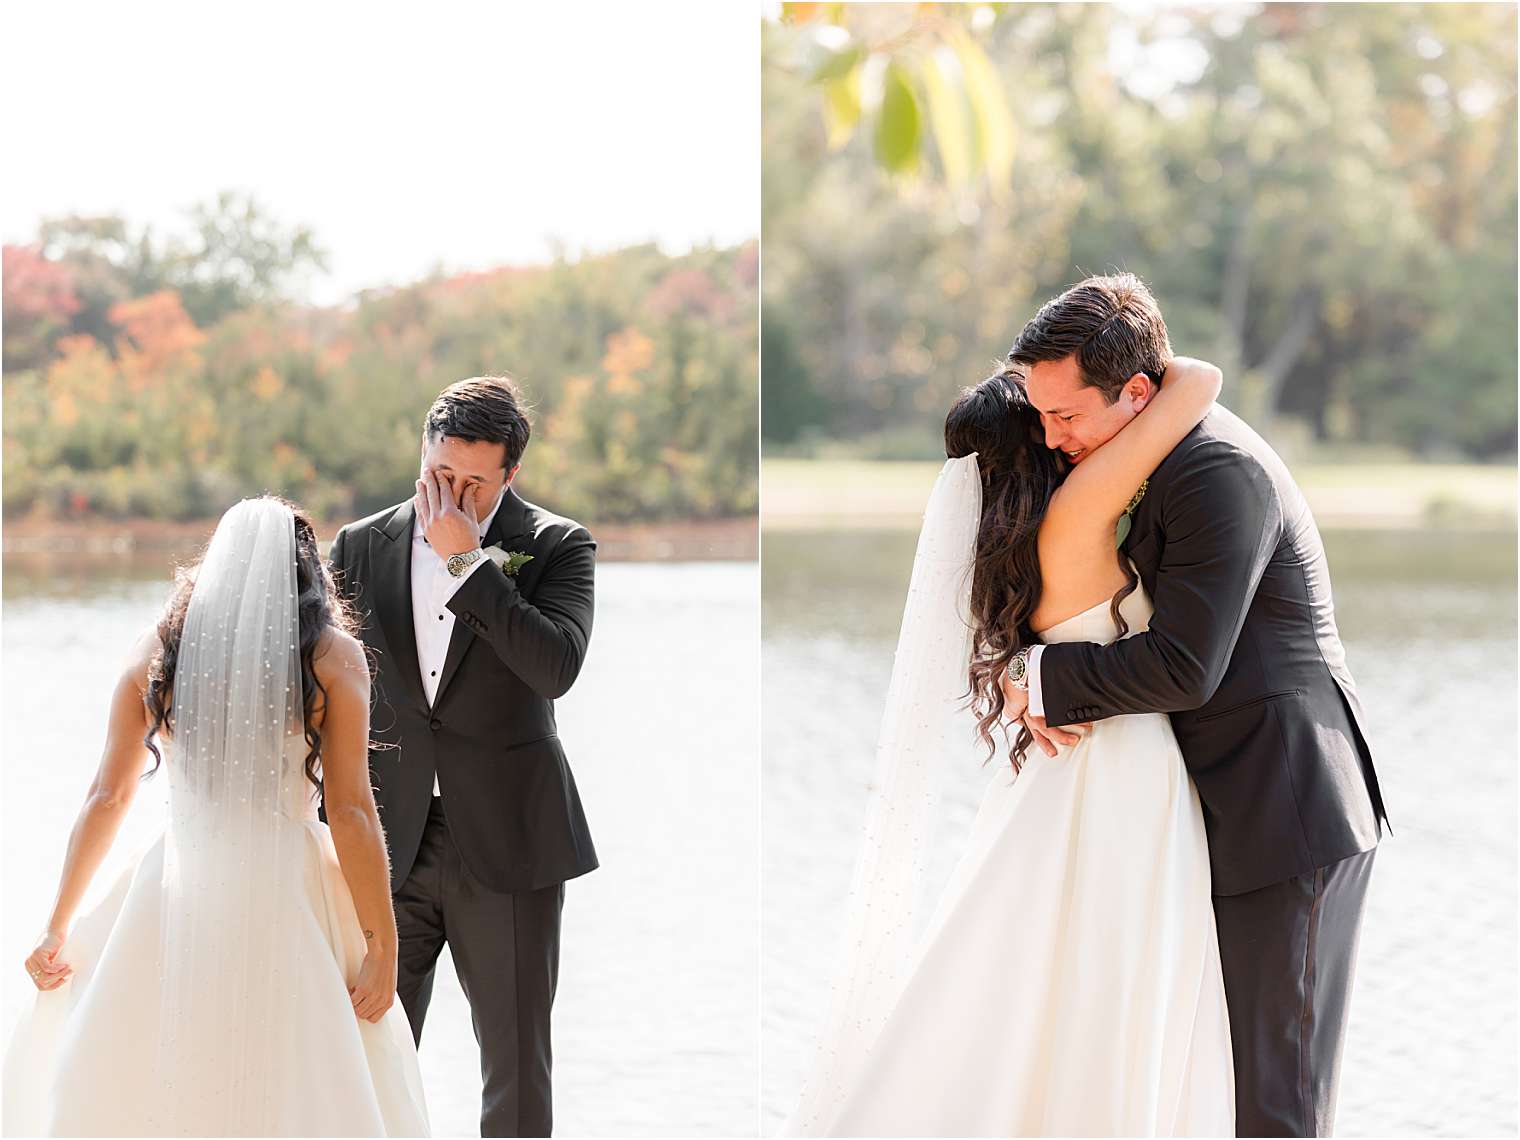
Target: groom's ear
point(1141, 390)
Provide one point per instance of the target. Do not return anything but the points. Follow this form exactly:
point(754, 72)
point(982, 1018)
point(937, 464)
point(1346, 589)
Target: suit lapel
point(512, 528)
point(390, 554)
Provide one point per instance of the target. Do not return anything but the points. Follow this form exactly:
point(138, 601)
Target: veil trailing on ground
point(924, 725)
point(232, 862)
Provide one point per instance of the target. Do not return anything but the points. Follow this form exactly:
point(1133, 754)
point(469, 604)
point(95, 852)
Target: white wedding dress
point(209, 994)
point(79, 1064)
point(1069, 981)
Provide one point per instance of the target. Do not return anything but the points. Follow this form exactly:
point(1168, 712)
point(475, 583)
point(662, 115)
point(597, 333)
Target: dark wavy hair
point(1019, 475)
point(319, 606)
point(1112, 325)
point(489, 409)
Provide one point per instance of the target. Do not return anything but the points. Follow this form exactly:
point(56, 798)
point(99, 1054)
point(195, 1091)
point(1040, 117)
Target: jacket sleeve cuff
point(472, 568)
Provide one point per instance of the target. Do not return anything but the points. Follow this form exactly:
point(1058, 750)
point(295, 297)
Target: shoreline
point(809, 495)
point(679, 540)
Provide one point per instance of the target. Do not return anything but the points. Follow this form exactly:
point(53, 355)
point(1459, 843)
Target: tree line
point(1321, 196)
point(167, 377)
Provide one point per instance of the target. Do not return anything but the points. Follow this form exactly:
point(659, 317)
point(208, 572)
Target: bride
point(1068, 981)
point(239, 977)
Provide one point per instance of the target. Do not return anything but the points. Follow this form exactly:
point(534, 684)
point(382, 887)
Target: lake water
point(655, 1022)
point(1429, 623)
point(663, 973)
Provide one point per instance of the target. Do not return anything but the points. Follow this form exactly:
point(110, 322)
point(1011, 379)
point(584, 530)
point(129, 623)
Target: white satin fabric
point(1068, 982)
point(80, 1061)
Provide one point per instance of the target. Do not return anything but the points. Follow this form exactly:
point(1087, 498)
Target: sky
point(408, 137)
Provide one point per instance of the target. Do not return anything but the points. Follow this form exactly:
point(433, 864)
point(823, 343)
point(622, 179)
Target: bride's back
point(289, 793)
point(1079, 569)
point(1096, 623)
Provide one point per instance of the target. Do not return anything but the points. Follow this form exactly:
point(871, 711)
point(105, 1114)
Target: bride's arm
point(353, 820)
point(105, 805)
point(1098, 489)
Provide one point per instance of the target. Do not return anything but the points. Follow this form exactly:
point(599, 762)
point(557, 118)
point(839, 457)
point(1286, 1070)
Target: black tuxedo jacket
point(518, 643)
point(1243, 652)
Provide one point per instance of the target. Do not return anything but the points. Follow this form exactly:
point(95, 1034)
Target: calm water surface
point(1428, 620)
point(655, 1023)
point(655, 1031)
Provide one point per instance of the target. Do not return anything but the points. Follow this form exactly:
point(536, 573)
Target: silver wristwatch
point(459, 563)
point(1018, 669)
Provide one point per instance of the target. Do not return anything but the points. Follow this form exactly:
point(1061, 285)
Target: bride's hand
point(374, 991)
point(43, 966)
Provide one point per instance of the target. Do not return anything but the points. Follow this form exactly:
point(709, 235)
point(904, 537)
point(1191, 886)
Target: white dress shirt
point(432, 587)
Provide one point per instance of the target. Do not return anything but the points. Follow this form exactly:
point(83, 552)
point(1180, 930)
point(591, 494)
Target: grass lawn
point(804, 494)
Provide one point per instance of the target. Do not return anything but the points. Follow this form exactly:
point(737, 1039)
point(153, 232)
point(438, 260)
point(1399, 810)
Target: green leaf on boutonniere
point(1121, 532)
point(510, 561)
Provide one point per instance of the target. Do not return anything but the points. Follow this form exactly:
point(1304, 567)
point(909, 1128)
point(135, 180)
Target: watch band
point(457, 564)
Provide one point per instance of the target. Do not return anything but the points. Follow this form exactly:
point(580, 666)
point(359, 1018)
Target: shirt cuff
point(1032, 667)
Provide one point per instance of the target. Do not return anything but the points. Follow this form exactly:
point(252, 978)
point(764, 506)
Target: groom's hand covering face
point(459, 484)
point(1076, 418)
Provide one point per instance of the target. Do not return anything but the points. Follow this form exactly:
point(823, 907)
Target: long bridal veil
point(210, 989)
point(232, 861)
point(923, 725)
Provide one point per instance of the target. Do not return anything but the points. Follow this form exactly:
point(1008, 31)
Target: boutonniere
point(1121, 532)
point(510, 561)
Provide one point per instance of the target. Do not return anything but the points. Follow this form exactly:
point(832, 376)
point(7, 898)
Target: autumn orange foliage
point(156, 335)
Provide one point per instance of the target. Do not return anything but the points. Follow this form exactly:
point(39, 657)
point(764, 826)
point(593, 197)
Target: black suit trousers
point(505, 946)
point(1288, 952)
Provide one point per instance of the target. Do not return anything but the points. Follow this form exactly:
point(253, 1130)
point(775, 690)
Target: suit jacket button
point(435, 724)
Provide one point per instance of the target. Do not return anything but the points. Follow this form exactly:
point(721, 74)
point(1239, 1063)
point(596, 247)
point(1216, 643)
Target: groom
point(477, 605)
point(1243, 652)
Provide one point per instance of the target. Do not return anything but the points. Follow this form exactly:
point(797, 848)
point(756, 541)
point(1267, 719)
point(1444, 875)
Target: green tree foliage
point(233, 254)
point(1322, 196)
point(920, 73)
point(120, 400)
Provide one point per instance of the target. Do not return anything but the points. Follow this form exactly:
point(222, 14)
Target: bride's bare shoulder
point(139, 659)
point(339, 661)
point(336, 654)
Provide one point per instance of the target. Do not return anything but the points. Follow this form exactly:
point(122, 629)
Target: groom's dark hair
point(482, 408)
point(1113, 326)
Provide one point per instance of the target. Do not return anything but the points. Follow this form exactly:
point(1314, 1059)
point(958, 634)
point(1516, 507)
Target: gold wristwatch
point(459, 563)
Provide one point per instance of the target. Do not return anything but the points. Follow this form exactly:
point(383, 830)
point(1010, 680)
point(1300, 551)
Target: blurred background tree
point(1321, 196)
point(165, 377)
